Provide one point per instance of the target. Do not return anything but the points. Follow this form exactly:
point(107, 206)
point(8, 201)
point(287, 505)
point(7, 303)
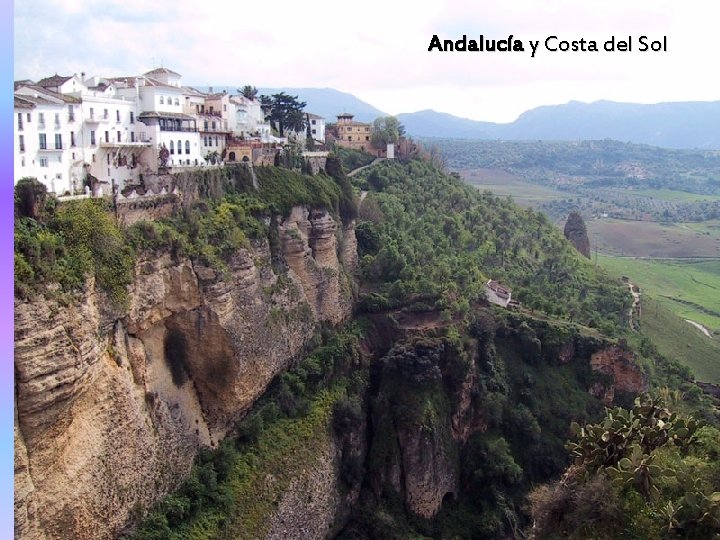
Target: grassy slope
point(691, 290)
point(695, 350)
point(662, 318)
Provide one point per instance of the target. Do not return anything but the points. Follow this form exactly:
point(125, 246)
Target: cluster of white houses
point(66, 128)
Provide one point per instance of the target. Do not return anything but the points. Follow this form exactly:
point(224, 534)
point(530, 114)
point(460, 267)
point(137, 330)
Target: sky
point(378, 50)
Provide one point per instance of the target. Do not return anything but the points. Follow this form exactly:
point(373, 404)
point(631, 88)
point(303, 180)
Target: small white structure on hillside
point(497, 293)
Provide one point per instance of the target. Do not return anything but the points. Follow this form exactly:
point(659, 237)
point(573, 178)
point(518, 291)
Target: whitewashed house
point(42, 137)
point(160, 102)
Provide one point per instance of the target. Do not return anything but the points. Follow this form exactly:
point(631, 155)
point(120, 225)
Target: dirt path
point(700, 327)
point(355, 171)
point(634, 314)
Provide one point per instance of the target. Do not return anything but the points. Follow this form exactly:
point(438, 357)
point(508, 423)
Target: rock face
point(620, 364)
point(111, 408)
point(576, 232)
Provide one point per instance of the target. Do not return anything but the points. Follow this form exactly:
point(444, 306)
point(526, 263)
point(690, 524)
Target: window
point(21, 140)
point(172, 147)
point(71, 113)
point(132, 136)
point(367, 138)
point(179, 146)
point(119, 136)
point(58, 141)
point(117, 115)
point(205, 141)
point(313, 122)
point(41, 120)
point(93, 158)
point(57, 120)
point(108, 159)
point(213, 125)
point(314, 131)
point(105, 114)
point(22, 161)
point(72, 139)
point(205, 125)
point(43, 162)
point(187, 149)
point(28, 117)
point(92, 137)
point(349, 137)
point(107, 136)
point(92, 113)
point(224, 108)
point(177, 102)
point(162, 100)
point(20, 122)
point(43, 142)
point(216, 141)
point(132, 117)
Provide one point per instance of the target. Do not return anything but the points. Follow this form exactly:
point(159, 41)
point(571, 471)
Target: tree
point(386, 130)
point(284, 112)
point(249, 92)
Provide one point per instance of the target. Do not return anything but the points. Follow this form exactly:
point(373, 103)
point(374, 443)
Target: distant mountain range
point(672, 125)
point(692, 124)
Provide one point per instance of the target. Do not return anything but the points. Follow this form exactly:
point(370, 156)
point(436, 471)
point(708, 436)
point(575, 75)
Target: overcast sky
point(377, 49)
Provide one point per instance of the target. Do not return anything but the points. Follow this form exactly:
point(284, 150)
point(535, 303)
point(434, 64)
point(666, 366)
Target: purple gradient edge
point(6, 277)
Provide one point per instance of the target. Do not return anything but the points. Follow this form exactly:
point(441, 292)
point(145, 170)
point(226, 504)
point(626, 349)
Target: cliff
point(111, 408)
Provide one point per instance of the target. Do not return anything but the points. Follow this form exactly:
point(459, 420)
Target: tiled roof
point(21, 103)
point(315, 116)
point(37, 99)
point(162, 70)
point(24, 82)
point(55, 80)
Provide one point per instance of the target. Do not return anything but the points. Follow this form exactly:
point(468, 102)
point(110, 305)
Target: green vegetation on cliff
point(426, 237)
point(65, 243)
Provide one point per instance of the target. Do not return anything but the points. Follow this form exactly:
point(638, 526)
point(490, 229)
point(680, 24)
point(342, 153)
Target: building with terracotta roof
point(351, 134)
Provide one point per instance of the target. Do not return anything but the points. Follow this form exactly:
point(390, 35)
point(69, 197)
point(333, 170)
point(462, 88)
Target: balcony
point(92, 119)
point(41, 125)
point(57, 125)
point(175, 128)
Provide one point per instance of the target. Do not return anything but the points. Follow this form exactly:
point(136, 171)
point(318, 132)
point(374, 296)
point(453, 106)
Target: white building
point(43, 140)
point(159, 106)
point(317, 127)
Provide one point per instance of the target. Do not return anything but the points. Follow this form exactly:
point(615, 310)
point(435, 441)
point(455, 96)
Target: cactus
point(625, 433)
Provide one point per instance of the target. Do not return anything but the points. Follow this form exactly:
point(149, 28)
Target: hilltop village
point(91, 136)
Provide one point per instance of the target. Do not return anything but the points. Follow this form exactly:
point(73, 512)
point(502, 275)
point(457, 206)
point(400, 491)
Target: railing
point(71, 117)
point(41, 125)
point(173, 128)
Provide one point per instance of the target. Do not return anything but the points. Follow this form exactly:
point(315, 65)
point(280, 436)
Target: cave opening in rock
point(176, 347)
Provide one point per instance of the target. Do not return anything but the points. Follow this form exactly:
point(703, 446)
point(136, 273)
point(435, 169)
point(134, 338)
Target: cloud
point(378, 49)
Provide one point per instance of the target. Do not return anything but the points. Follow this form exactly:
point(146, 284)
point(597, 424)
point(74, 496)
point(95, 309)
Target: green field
point(652, 239)
point(670, 195)
point(503, 183)
point(671, 292)
point(689, 289)
point(676, 339)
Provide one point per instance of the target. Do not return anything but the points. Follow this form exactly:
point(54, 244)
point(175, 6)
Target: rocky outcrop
point(576, 232)
point(111, 408)
point(620, 364)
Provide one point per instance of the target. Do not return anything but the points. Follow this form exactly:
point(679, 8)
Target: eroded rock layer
point(111, 408)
